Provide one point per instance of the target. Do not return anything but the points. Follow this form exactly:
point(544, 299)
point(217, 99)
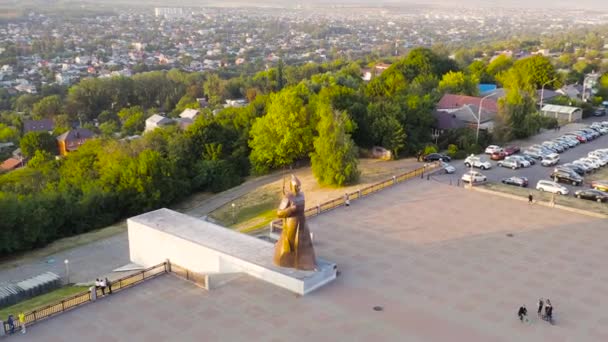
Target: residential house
point(189, 113)
point(71, 140)
point(44, 125)
point(573, 91)
point(562, 113)
point(463, 111)
point(156, 121)
point(10, 164)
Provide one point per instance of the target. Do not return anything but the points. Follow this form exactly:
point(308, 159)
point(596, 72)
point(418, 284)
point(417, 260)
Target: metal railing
point(197, 278)
point(85, 297)
point(276, 225)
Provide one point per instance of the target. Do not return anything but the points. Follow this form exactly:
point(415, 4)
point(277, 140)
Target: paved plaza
point(436, 258)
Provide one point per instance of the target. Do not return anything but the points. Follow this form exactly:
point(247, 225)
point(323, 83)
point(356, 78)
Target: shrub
point(430, 149)
point(452, 150)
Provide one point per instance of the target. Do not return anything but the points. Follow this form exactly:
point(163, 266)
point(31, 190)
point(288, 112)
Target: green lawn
point(249, 212)
point(42, 300)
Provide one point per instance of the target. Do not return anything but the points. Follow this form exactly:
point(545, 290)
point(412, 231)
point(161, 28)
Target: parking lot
point(535, 172)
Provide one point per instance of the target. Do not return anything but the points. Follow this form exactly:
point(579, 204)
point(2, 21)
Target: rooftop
point(435, 257)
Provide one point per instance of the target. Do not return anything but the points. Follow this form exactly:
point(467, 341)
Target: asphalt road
point(535, 172)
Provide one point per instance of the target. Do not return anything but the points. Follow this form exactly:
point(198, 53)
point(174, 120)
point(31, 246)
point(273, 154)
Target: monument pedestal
point(204, 247)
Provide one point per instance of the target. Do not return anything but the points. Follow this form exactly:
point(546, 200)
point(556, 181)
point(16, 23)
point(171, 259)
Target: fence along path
point(86, 297)
point(276, 225)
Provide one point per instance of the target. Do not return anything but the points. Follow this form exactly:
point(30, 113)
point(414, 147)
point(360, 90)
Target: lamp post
point(233, 213)
point(67, 270)
point(542, 92)
point(479, 115)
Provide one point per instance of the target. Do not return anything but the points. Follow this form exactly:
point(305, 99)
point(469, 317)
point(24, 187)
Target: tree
point(498, 65)
point(47, 107)
point(334, 159)
point(25, 102)
point(108, 128)
point(458, 83)
point(283, 135)
point(133, 120)
point(34, 141)
point(214, 88)
point(8, 133)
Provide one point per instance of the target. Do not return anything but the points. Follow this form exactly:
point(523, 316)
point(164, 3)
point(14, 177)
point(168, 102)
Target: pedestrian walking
point(22, 322)
point(530, 199)
point(109, 285)
point(522, 312)
point(549, 311)
point(11, 324)
point(540, 307)
point(102, 284)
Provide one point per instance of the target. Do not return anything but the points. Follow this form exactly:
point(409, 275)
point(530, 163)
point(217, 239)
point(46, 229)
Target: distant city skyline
point(547, 4)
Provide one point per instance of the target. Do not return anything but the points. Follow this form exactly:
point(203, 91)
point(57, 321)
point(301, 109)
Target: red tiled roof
point(10, 164)
point(451, 101)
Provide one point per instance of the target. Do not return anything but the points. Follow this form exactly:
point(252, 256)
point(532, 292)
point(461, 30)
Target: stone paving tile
point(441, 270)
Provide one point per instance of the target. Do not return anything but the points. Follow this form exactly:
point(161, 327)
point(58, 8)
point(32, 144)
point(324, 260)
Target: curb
point(545, 204)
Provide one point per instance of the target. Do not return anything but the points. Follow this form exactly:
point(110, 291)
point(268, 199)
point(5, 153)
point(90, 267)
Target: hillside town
point(44, 49)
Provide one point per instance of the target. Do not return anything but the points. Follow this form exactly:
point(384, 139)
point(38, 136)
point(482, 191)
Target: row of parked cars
point(548, 152)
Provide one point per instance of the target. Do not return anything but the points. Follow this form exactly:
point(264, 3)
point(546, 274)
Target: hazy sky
point(582, 4)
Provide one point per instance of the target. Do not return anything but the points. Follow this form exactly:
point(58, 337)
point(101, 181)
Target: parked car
point(509, 163)
point(570, 177)
point(580, 137)
point(493, 148)
point(477, 162)
point(592, 194)
point(498, 155)
point(550, 160)
point(523, 162)
point(510, 150)
point(529, 158)
point(515, 180)
point(576, 168)
point(533, 154)
point(552, 187)
point(436, 157)
point(447, 167)
point(473, 176)
point(553, 146)
point(585, 166)
point(601, 185)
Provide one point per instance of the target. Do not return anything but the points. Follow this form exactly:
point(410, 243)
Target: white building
point(156, 121)
point(189, 113)
point(562, 113)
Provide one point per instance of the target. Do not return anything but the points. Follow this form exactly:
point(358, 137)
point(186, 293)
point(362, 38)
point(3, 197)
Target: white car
point(550, 160)
point(520, 160)
point(600, 160)
point(552, 187)
point(447, 167)
point(477, 162)
point(591, 162)
point(474, 177)
point(493, 148)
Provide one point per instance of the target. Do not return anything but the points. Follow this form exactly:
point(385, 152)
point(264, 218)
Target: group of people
point(542, 304)
point(11, 323)
point(103, 284)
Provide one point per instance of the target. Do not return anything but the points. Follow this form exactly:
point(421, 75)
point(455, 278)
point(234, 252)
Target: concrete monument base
point(207, 248)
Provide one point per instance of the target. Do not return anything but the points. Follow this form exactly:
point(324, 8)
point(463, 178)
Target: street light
point(233, 213)
point(479, 115)
point(67, 270)
point(542, 92)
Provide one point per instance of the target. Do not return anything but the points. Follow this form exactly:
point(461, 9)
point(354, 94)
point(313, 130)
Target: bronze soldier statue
point(294, 248)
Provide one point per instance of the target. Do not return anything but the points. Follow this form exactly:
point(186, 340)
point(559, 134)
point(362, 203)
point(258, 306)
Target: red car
point(499, 155)
point(510, 150)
